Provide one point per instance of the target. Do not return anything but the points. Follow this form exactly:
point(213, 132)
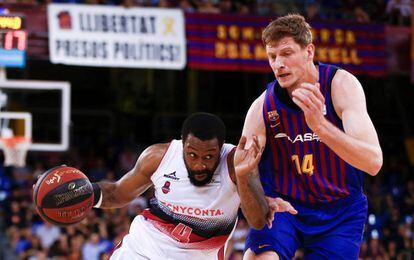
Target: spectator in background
point(60, 248)
point(99, 170)
point(93, 248)
point(187, 6)
point(409, 197)
point(48, 234)
point(313, 12)
point(238, 239)
point(376, 250)
point(226, 6)
point(399, 12)
point(360, 15)
point(208, 6)
point(127, 159)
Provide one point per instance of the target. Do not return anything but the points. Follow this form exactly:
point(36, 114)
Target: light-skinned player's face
point(289, 61)
point(201, 159)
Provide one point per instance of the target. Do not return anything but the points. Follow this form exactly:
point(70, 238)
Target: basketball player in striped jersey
point(319, 141)
point(195, 207)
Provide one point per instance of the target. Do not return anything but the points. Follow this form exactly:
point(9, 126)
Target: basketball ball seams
point(65, 216)
point(40, 180)
point(67, 194)
point(63, 196)
point(59, 175)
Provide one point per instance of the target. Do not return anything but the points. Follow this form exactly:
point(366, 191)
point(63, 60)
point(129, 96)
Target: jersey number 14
point(306, 166)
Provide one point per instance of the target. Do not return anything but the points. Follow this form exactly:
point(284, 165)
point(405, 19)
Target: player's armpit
point(135, 182)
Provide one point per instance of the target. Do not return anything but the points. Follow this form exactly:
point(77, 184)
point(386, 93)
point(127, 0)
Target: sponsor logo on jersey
point(302, 138)
point(193, 211)
point(166, 188)
point(216, 179)
point(273, 118)
point(171, 176)
point(263, 246)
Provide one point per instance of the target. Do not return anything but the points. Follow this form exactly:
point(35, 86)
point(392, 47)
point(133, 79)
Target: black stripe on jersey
point(206, 228)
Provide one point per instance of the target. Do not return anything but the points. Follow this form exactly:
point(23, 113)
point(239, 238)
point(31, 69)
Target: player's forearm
point(358, 153)
point(112, 196)
point(253, 202)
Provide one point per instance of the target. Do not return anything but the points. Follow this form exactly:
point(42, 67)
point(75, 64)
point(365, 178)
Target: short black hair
point(204, 126)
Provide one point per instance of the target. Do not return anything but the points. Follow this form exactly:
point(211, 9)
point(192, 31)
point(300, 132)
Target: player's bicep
point(138, 180)
point(254, 123)
point(358, 124)
point(349, 102)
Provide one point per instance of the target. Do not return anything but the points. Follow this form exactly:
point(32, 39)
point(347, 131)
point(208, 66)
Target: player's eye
point(208, 157)
point(192, 155)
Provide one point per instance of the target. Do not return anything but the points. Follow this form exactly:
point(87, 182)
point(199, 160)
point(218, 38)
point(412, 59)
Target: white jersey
point(186, 221)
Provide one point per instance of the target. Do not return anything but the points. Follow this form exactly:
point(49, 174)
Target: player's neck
point(311, 76)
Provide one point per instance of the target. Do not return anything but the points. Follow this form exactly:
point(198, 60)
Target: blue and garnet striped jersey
point(295, 163)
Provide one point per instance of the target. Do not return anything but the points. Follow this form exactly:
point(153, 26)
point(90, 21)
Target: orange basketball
point(63, 195)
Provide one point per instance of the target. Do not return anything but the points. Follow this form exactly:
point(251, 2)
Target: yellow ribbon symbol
point(169, 25)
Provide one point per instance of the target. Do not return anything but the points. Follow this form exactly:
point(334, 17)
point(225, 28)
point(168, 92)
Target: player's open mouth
point(284, 75)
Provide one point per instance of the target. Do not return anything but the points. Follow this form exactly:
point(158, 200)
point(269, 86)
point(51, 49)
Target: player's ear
point(310, 51)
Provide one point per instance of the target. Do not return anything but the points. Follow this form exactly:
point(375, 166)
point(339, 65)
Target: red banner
point(233, 42)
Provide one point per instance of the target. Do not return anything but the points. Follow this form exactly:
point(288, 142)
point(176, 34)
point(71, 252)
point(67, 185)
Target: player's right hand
point(245, 160)
point(278, 205)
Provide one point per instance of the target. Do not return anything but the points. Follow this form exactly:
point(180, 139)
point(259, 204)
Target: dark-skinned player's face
point(201, 159)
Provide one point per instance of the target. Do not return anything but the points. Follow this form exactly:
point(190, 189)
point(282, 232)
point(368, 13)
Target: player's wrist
point(240, 176)
point(97, 195)
point(321, 128)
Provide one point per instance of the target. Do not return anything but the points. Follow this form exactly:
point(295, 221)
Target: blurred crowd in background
point(389, 230)
point(397, 12)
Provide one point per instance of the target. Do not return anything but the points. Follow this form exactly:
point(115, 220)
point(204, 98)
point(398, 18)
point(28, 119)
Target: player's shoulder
point(258, 102)
point(343, 78)
point(154, 153)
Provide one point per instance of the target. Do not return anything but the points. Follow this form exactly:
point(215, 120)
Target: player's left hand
point(245, 160)
point(278, 205)
point(310, 99)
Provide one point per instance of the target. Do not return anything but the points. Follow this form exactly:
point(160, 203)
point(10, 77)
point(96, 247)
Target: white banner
point(112, 36)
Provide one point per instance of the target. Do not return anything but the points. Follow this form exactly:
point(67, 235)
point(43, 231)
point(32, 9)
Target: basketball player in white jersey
point(195, 207)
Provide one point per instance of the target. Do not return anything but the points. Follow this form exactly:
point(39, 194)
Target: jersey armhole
point(230, 162)
point(162, 159)
point(334, 70)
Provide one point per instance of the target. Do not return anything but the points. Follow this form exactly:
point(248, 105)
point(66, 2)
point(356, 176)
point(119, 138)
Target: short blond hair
point(293, 25)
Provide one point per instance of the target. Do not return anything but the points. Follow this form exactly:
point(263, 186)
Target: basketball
point(63, 195)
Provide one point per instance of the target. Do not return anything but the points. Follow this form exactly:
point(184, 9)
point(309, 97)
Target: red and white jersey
point(195, 217)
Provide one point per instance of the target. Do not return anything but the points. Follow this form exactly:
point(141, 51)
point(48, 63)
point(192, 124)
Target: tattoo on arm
point(253, 202)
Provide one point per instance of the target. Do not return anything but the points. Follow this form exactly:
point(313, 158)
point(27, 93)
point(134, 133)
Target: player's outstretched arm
point(135, 182)
point(246, 158)
point(358, 144)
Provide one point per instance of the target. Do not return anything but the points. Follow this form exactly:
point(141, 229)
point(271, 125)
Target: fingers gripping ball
point(63, 195)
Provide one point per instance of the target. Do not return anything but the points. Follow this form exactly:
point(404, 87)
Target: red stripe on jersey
point(343, 171)
point(186, 238)
point(275, 154)
point(319, 180)
point(270, 136)
point(293, 183)
point(294, 120)
point(325, 169)
point(313, 191)
point(220, 254)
